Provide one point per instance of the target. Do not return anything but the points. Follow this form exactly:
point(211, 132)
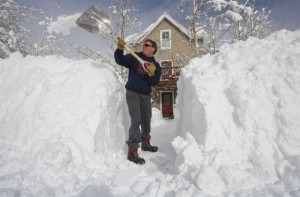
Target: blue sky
point(285, 13)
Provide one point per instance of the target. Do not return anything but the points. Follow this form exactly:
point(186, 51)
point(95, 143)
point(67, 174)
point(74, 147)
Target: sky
point(150, 11)
point(285, 14)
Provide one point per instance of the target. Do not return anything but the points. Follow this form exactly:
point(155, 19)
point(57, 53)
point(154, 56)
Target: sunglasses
point(147, 45)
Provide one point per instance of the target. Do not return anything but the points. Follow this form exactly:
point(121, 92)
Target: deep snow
point(63, 126)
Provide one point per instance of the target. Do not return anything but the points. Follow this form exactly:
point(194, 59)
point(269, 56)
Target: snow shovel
point(96, 21)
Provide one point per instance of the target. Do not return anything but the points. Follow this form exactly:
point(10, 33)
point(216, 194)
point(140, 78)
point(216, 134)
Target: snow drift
point(238, 113)
point(55, 115)
point(63, 126)
point(76, 101)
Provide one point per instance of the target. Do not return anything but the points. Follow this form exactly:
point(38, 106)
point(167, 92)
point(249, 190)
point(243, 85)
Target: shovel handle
point(136, 57)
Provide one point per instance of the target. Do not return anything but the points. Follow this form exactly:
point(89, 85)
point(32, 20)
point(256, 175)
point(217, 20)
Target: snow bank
point(238, 113)
point(63, 124)
point(57, 114)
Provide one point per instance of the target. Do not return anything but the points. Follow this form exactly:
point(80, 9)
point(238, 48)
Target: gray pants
point(140, 112)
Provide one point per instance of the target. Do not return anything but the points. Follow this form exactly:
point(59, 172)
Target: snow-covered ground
point(63, 127)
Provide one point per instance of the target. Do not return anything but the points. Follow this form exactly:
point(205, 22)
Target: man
point(138, 89)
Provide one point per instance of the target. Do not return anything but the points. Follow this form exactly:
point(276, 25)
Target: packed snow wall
point(238, 112)
point(57, 107)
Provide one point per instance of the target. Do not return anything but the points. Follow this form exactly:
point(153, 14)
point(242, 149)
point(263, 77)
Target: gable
point(165, 24)
point(137, 38)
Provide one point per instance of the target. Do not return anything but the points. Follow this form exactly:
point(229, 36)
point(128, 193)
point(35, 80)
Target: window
point(165, 39)
point(166, 69)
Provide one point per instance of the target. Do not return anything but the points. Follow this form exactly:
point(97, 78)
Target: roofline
point(151, 27)
point(172, 20)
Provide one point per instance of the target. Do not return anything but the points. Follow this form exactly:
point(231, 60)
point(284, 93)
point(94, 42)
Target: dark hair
point(153, 44)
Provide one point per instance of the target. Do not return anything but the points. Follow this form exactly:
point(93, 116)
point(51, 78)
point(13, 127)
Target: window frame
point(163, 74)
point(162, 46)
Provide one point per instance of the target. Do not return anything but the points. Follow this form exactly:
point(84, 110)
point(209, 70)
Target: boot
point(134, 156)
point(146, 146)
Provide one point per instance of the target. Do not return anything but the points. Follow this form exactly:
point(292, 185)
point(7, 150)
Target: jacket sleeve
point(121, 59)
point(154, 80)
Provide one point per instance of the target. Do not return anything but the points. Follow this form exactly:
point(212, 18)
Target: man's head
point(149, 48)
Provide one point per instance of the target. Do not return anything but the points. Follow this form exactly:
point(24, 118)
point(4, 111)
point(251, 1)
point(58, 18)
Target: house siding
point(180, 53)
point(181, 50)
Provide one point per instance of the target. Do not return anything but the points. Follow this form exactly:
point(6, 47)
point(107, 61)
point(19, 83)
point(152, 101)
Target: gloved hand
point(121, 43)
point(151, 68)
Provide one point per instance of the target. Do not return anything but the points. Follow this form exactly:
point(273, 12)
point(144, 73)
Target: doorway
point(167, 102)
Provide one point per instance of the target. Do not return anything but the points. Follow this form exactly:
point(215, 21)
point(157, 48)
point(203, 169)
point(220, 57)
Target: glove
point(121, 43)
point(151, 68)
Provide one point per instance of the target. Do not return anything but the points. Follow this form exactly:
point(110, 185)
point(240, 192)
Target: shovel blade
point(94, 20)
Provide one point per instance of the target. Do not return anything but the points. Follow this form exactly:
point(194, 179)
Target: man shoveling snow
point(138, 89)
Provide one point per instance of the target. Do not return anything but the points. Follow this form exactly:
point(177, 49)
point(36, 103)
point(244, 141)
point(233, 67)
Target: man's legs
point(134, 107)
point(140, 112)
point(146, 113)
point(133, 102)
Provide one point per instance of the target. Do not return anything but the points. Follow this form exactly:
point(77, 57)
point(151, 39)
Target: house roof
point(139, 37)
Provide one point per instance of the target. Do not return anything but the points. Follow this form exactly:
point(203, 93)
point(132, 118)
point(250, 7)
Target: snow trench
point(64, 123)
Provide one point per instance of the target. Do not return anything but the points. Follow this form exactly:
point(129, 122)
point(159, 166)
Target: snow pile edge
point(60, 119)
point(240, 109)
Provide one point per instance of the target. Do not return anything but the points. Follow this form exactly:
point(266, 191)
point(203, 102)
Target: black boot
point(134, 156)
point(146, 146)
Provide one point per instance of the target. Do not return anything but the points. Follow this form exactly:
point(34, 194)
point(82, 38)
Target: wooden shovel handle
point(136, 57)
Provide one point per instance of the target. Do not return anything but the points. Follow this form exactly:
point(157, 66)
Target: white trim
point(161, 40)
point(138, 37)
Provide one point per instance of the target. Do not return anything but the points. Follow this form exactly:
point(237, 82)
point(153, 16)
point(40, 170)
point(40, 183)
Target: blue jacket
point(138, 79)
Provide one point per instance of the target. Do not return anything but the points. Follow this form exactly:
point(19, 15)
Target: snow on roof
point(139, 37)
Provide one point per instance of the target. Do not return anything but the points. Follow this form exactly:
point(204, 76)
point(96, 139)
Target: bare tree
point(87, 53)
point(220, 21)
point(124, 17)
point(125, 20)
point(49, 43)
point(193, 11)
point(255, 25)
point(12, 33)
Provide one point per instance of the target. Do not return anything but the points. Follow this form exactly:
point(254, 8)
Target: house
point(175, 48)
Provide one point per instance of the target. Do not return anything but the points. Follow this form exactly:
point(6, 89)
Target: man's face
point(148, 49)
